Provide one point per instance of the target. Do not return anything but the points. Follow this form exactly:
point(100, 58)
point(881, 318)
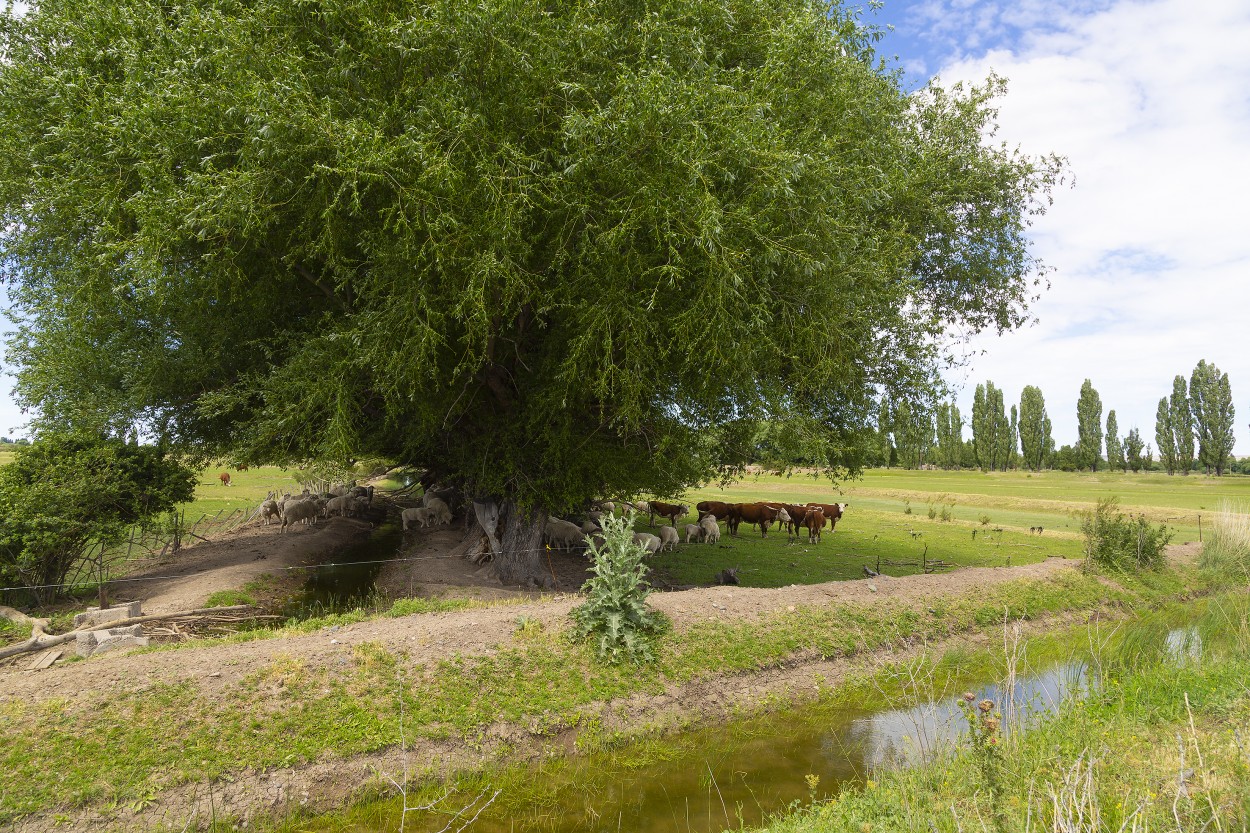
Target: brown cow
point(672, 511)
point(833, 512)
point(224, 477)
point(760, 514)
point(796, 513)
point(714, 507)
point(814, 520)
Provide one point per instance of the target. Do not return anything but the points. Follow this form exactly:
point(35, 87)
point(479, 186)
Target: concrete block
point(84, 643)
point(115, 613)
point(118, 642)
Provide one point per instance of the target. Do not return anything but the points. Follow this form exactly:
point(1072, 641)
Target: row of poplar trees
point(1198, 417)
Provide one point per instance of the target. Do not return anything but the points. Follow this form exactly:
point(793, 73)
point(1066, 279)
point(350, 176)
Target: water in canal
point(739, 774)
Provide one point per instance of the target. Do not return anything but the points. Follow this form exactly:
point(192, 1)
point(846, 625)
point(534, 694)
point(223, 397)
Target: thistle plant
point(615, 613)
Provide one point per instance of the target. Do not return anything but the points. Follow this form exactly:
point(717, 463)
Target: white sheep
point(711, 531)
point(269, 512)
point(413, 516)
point(340, 505)
point(440, 512)
point(694, 531)
point(563, 535)
point(299, 510)
point(648, 541)
point(668, 539)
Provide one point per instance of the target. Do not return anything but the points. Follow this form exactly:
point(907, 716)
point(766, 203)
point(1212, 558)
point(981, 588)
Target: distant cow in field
point(672, 511)
point(224, 477)
point(760, 514)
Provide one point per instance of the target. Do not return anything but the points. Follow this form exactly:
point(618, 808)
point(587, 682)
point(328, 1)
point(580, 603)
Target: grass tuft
point(1228, 549)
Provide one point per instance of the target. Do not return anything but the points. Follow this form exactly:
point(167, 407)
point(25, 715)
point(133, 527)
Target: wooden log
point(41, 641)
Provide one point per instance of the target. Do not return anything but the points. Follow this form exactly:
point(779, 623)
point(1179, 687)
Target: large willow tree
point(552, 250)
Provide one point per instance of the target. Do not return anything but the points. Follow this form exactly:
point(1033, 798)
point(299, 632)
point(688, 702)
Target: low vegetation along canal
point(740, 774)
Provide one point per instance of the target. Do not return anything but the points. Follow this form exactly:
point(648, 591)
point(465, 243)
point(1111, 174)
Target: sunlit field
point(895, 521)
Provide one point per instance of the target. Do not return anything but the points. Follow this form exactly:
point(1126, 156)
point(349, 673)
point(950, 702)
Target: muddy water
point(737, 775)
point(348, 581)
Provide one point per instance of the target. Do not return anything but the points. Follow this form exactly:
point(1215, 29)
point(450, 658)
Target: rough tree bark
point(520, 559)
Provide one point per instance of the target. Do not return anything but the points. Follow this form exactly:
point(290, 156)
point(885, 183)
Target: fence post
point(1199, 527)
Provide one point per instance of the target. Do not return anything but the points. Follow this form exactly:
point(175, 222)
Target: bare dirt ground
point(427, 570)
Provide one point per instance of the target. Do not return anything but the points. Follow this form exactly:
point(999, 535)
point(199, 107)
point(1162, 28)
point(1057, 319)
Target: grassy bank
point(291, 712)
point(1160, 746)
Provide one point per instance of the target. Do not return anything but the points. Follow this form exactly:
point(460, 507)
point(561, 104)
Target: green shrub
point(1117, 541)
point(616, 614)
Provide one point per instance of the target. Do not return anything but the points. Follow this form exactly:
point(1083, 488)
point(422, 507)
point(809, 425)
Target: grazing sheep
point(607, 506)
point(694, 531)
point(563, 535)
point(440, 512)
point(590, 527)
point(340, 505)
point(299, 510)
point(642, 507)
point(269, 512)
point(648, 541)
point(711, 530)
point(668, 538)
point(413, 516)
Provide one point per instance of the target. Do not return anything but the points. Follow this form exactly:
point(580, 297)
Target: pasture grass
point(1228, 548)
point(294, 711)
point(900, 519)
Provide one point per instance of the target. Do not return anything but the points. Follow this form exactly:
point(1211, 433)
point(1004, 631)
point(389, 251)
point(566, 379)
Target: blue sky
point(1150, 102)
point(1150, 251)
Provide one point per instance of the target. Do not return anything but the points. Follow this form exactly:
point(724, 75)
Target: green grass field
point(990, 520)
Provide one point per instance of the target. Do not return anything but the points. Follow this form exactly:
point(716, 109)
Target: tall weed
point(1227, 550)
point(615, 614)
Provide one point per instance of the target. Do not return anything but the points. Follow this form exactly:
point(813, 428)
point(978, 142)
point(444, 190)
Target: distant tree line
point(1193, 432)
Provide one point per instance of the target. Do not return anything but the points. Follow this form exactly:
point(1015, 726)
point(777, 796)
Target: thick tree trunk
point(520, 560)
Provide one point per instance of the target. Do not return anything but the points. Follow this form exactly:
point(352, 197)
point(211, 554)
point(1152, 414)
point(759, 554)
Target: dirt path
point(426, 571)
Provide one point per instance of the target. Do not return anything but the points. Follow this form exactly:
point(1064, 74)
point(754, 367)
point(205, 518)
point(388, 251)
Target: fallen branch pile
point(40, 640)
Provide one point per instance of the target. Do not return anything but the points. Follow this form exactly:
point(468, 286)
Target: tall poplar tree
point(1013, 443)
point(1089, 427)
point(1165, 436)
point(950, 426)
point(1133, 451)
point(1211, 402)
point(546, 251)
point(990, 427)
point(1036, 443)
point(1182, 425)
point(1115, 446)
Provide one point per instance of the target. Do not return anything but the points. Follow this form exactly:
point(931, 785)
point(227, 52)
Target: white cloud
point(1150, 103)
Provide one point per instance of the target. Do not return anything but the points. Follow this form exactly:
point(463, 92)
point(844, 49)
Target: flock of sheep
point(341, 499)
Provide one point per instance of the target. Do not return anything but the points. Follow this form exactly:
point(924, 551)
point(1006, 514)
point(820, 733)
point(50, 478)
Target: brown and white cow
point(760, 514)
point(833, 512)
point(814, 521)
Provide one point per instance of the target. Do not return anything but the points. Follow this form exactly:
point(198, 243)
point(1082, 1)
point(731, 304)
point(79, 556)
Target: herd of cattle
point(435, 509)
point(794, 518)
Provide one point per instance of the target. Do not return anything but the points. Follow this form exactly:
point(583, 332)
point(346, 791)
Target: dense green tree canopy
point(65, 493)
point(1211, 403)
point(553, 249)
